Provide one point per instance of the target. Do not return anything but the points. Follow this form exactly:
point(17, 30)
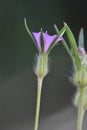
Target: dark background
point(17, 51)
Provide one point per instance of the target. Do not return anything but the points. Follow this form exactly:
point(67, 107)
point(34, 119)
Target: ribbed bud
point(42, 66)
point(80, 77)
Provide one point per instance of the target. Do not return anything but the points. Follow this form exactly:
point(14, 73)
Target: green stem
point(80, 110)
point(38, 103)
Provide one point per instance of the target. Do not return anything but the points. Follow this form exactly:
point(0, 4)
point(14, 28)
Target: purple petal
point(81, 50)
point(48, 41)
point(37, 38)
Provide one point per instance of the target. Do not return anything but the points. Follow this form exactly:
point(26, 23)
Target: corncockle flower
point(79, 58)
point(44, 43)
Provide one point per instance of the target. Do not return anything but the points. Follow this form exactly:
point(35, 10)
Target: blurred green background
point(17, 52)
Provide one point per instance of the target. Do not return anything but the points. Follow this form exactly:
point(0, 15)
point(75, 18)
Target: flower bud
point(80, 77)
point(41, 66)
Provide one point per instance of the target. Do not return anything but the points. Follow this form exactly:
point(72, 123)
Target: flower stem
point(80, 110)
point(38, 103)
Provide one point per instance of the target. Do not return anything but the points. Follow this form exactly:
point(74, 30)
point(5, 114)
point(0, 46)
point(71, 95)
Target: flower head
point(44, 43)
point(47, 40)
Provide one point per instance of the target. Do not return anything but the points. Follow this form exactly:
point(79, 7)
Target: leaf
point(28, 31)
point(73, 46)
point(42, 40)
point(64, 43)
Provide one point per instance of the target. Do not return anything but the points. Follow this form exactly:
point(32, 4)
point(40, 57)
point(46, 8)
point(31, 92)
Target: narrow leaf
point(28, 31)
point(42, 40)
point(73, 45)
point(64, 43)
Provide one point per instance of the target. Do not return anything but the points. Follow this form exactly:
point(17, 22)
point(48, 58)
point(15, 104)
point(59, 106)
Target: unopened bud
point(80, 77)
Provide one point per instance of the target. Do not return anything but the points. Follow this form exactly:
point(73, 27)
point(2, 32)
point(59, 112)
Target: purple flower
point(81, 50)
point(47, 40)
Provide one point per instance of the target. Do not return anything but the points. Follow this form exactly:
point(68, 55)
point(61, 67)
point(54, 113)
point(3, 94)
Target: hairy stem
point(80, 110)
point(38, 103)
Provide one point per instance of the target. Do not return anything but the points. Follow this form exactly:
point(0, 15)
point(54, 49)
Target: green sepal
point(81, 38)
point(60, 33)
point(29, 32)
point(42, 41)
point(64, 43)
point(73, 46)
